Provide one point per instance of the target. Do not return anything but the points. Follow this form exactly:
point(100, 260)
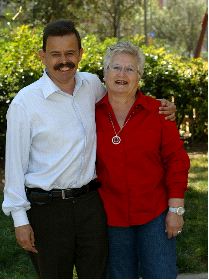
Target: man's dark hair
point(60, 28)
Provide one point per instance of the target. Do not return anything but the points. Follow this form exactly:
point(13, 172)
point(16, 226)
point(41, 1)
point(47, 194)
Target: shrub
point(19, 67)
point(166, 75)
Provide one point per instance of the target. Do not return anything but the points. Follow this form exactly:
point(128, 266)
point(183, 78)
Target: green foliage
point(166, 75)
point(120, 16)
point(19, 67)
point(94, 49)
point(169, 76)
point(36, 12)
point(179, 23)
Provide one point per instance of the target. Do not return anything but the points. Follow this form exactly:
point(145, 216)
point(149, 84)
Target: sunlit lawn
point(192, 244)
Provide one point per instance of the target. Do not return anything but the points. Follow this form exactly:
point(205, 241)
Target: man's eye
point(55, 55)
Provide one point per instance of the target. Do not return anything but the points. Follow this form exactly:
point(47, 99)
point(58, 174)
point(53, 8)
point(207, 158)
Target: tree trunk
point(117, 17)
point(201, 37)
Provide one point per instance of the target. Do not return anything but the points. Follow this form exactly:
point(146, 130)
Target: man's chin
point(66, 76)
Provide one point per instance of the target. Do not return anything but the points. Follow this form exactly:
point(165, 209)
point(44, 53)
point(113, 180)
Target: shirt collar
point(141, 100)
point(49, 87)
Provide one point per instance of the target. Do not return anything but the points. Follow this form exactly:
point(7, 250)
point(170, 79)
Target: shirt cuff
point(20, 218)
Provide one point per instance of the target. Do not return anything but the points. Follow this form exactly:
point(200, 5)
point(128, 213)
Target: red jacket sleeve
point(175, 160)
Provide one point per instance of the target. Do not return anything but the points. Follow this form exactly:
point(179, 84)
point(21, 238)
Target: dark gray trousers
point(67, 233)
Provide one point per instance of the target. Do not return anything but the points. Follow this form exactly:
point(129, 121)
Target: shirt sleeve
point(17, 158)
point(100, 89)
point(175, 159)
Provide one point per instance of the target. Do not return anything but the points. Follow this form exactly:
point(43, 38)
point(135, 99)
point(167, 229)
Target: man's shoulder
point(27, 92)
point(90, 77)
point(92, 84)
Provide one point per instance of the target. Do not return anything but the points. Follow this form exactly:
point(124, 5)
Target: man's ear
point(42, 55)
point(80, 54)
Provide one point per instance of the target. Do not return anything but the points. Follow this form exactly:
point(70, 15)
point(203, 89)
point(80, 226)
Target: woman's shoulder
point(150, 102)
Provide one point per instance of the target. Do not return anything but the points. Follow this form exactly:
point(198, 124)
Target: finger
point(24, 243)
point(163, 102)
point(33, 249)
point(168, 231)
point(179, 231)
point(171, 117)
point(168, 108)
point(169, 234)
point(28, 246)
point(32, 238)
point(163, 109)
point(30, 249)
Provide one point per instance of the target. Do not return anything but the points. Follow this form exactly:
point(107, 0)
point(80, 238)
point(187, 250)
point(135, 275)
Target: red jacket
point(147, 168)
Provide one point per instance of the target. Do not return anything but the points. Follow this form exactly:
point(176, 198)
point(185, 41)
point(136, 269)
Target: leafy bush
point(19, 67)
point(166, 75)
point(169, 76)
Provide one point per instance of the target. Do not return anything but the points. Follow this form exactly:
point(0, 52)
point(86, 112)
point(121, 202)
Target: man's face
point(61, 58)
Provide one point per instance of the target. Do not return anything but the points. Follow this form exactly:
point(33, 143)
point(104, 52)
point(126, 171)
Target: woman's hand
point(167, 108)
point(174, 224)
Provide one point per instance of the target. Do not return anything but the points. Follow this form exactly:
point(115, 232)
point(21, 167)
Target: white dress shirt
point(50, 141)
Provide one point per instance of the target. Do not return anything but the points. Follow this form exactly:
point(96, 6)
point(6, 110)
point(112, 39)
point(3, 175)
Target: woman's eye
point(117, 68)
point(129, 70)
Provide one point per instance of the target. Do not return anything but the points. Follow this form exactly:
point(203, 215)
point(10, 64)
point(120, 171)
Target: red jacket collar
point(147, 102)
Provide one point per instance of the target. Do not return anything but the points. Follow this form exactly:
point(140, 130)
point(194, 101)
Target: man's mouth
point(64, 67)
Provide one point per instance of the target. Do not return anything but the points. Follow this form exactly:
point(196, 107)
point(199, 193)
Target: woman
point(143, 168)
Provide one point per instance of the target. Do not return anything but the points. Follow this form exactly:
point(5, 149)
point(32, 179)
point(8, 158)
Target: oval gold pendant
point(116, 139)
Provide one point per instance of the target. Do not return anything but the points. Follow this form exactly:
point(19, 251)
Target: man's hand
point(174, 223)
point(25, 238)
point(167, 108)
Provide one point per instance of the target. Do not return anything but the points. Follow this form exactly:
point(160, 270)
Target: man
point(51, 190)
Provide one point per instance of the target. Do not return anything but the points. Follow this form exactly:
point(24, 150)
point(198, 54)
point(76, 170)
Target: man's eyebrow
point(67, 51)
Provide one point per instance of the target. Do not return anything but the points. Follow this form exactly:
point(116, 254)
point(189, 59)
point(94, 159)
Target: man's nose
point(63, 58)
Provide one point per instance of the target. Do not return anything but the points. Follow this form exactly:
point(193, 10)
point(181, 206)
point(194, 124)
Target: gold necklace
point(116, 138)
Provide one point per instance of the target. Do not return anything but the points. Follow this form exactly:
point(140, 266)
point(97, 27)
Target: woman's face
point(122, 75)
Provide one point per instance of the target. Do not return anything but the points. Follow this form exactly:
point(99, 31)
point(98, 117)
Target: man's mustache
point(69, 64)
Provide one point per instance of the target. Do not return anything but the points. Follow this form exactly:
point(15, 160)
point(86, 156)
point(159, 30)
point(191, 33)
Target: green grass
point(191, 244)
point(14, 262)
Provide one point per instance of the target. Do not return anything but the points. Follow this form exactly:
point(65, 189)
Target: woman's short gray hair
point(127, 48)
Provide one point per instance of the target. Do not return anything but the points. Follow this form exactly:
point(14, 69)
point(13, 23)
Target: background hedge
point(166, 76)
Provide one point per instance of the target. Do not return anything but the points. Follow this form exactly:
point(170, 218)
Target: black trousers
point(67, 233)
